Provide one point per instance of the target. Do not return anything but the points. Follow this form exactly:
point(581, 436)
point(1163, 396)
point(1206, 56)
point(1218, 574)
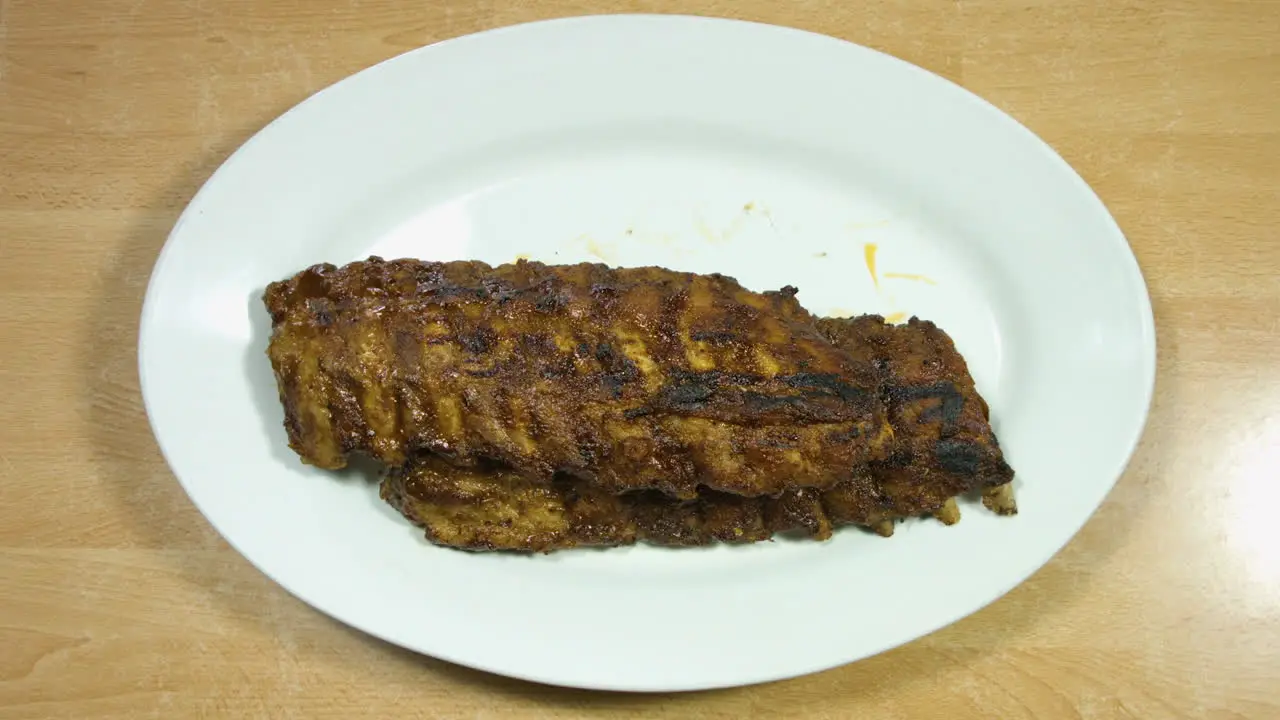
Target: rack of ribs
point(630, 378)
point(536, 407)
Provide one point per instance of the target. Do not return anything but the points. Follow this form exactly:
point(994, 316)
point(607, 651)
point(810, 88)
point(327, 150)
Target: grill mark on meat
point(345, 408)
point(761, 403)
point(826, 383)
point(689, 395)
point(617, 370)
point(715, 336)
point(950, 405)
point(741, 397)
point(958, 456)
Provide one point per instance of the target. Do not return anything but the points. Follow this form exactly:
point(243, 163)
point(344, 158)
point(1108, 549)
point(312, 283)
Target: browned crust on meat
point(943, 444)
point(632, 379)
point(533, 408)
point(496, 509)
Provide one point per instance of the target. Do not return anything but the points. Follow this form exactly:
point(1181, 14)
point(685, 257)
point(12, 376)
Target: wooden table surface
point(118, 600)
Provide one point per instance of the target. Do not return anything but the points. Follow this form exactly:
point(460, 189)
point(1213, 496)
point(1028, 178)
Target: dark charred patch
point(499, 290)
point(613, 385)
point(949, 408)
point(619, 369)
point(605, 354)
point(590, 451)
point(615, 381)
point(449, 291)
point(428, 273)
point(628, 369)
point(478, 342)
point(636, 412)
point(761, 403)
point(747, 398)
point(947, 411)
point(691, 394)
point(565, 484)
point(547, 297)
point(714, 378)
point(491, 465)
point(958, 456)
point(899, 457)
point(827, 384)
point(718, 337)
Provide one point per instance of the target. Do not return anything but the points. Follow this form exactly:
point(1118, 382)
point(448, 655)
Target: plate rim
point(1132, 269)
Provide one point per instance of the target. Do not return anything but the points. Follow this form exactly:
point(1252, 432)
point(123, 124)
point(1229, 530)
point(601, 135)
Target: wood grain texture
point(118, 600)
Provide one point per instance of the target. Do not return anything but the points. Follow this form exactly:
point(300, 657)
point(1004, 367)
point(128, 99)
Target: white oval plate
point(772, 155)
